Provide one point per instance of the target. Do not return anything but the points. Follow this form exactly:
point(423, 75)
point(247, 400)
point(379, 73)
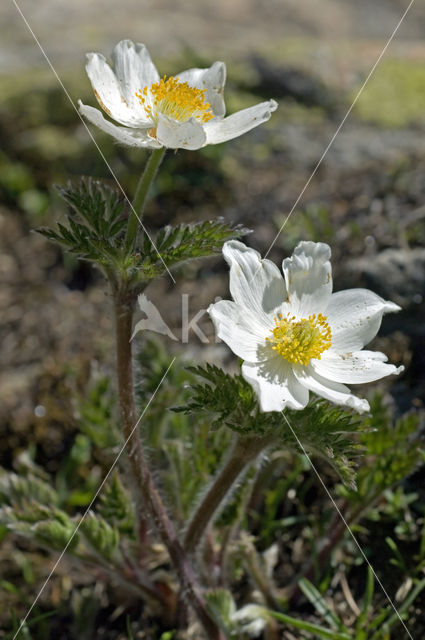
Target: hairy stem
point(139, 201)
point(149, 495)
point(245, 449)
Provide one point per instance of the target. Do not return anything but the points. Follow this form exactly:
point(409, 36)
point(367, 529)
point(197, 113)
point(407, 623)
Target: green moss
point(395, 95)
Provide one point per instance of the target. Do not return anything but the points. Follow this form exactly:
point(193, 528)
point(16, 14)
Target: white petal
point(180, 135)
point(108, 92)
point(308, 276)
point(355, 316)
point(238, 123)
point(239, 329)
point(275, 385)
point(213, 80)
point(354, 368)
point(255, 284)
point(130, 137)
point(134, 70)
point(333, 391)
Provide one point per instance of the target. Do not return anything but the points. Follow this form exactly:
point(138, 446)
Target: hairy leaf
point(184, 242)
point(321, 428)
point(100, 534)
point(116, 507)
point(95, 222)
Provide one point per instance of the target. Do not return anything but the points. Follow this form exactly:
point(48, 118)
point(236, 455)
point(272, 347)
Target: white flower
point(294, 334)
point(185, 111)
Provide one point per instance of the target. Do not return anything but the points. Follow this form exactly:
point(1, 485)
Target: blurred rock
point(280, 81)
point(395, 274)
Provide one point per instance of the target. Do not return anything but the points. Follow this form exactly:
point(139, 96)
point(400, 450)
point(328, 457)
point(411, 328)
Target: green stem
point(139, 201)
point(150, 499)
point(246, 449)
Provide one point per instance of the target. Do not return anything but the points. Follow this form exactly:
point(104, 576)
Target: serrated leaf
point(184, 242)
point(20, 491)
point(99, 533)
point(322, 428)
point(95, 222)
point(394, 448)
point(57, 533)
point(97, 413)
point(116, 506)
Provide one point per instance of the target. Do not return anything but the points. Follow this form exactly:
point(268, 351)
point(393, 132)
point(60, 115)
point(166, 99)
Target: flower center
point(298, 341)
point(175, 99)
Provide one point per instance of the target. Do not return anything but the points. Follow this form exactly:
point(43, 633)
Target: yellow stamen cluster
point(298, 341)
point(175, 99)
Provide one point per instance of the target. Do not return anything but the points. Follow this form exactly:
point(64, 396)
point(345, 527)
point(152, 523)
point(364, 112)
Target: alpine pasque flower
point(294, 334)
point(186, 111)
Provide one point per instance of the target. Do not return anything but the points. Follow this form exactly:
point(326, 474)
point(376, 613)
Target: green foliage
point(95, 231)
point(394, 450)
point(184, 456)
point(100, 534)
point(115, 506)
point(98, 418)
point(229, 399)
point(49, 526)
point(191, 457)
point(57, 532)
point(369, 625)
point(314, 596)
point(23, 491)
point(183, 242)
point(37, 621)
point(321, 428)
point(95, 222)
point(309, 627)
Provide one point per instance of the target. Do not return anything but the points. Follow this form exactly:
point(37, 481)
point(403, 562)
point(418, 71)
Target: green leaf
point(395, 450)
point(21, 491)
point(367, 599)
point(402, 609)
point(116, 506)
point(315, 629)
point(319, 603)
point(183, 242)
point(45, 523)
point(57, 533)
point(95, 222)
point(99, 533)
point(228, 398)
point(323, 429)
point(24, 633)
point(98, 415)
